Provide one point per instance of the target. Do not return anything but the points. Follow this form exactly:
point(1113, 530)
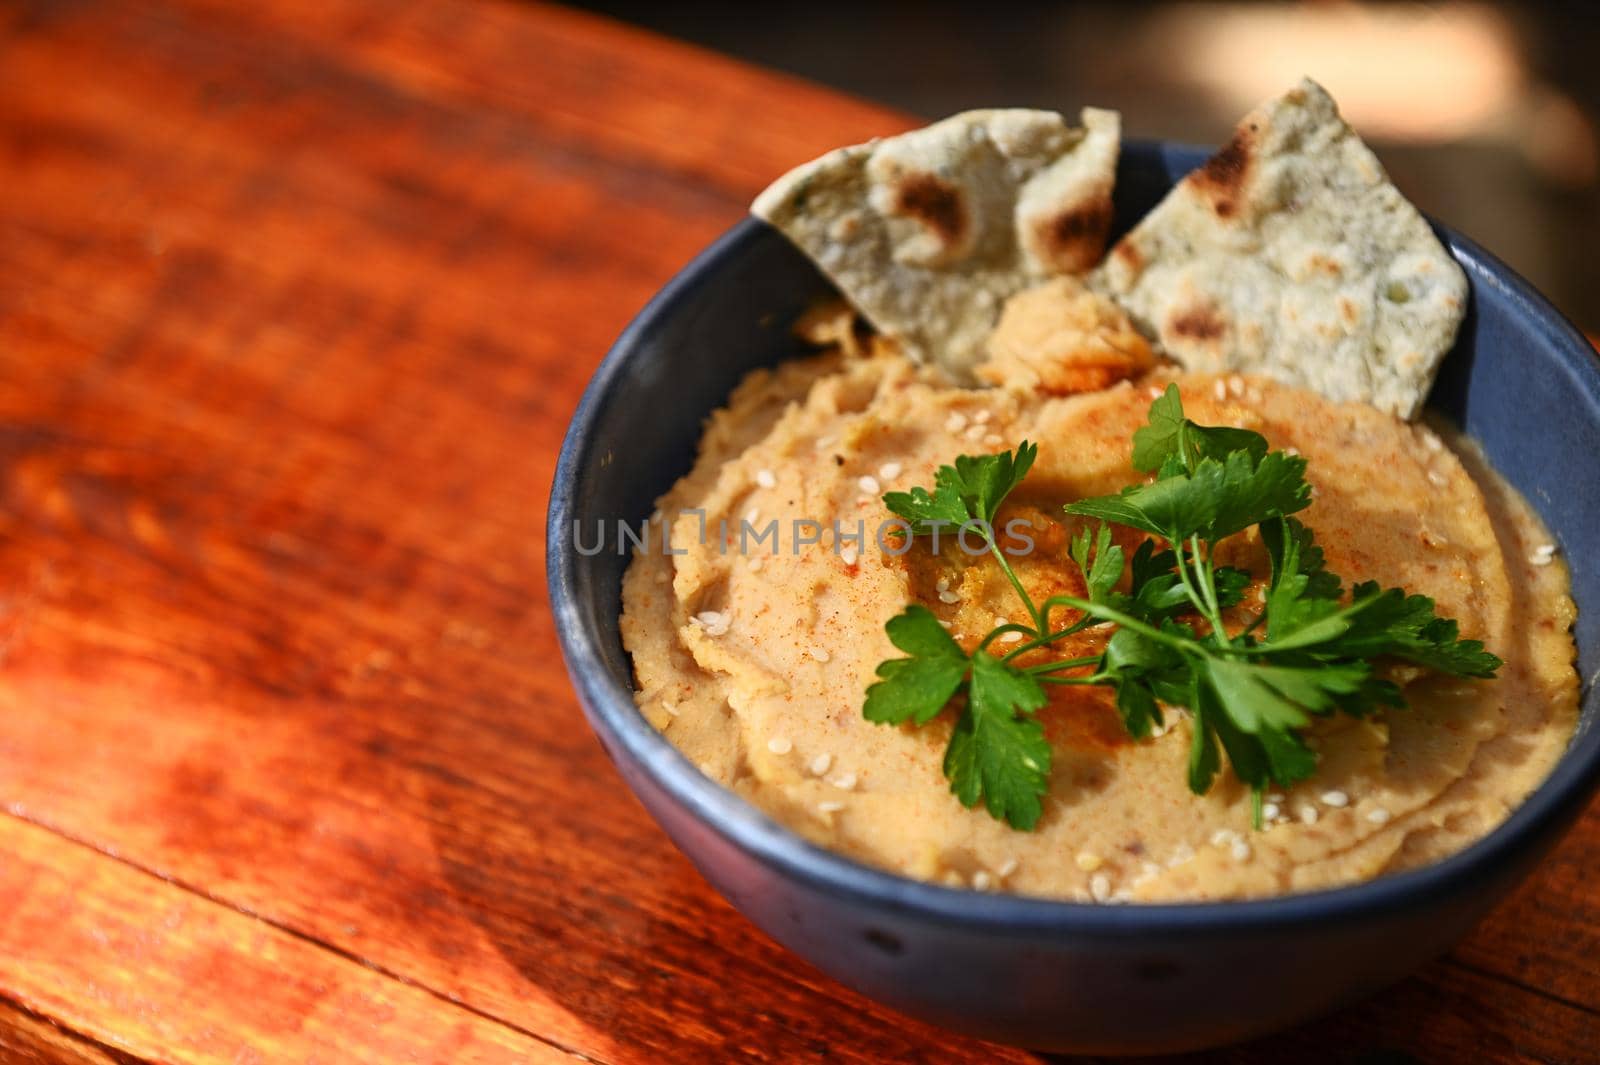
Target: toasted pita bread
point(1290, 253)
point(927, 233)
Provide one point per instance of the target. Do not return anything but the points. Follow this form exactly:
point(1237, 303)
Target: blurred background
point(1485, 114)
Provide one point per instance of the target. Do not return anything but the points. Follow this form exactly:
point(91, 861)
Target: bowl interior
point(1521, 381)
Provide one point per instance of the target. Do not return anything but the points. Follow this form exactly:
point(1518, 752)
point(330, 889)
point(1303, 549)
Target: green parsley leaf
point(1204, 760)
point(1102, 574)
point(1261, 697)
point(995, 755)
point(1389, 622)
point(1136, 664)
point(971, 490)
point(916, 688)
point(1215, 501)
point(1170, 435)
point(1301, 593)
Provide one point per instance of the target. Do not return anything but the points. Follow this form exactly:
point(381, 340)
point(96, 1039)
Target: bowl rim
point(612, 711)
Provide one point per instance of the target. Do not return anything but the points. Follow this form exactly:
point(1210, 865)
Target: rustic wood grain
point(28, 1039)
point(295, 302)
point(135, 962)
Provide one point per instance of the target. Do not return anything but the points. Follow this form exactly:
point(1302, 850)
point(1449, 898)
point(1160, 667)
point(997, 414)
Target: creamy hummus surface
point(753, 657)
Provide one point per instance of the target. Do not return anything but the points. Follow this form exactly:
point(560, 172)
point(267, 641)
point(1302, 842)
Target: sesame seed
point(1437, 479)
point(712, 622)
point(1100, 887)
point(1541, 560)
point(1271, 811)
point(947, 596)
point(752, 515)
point(1431, 441)
point(992, 440)
point(820, 764)
point(1180, 854)
point(956, 422)
point(869, 484)
point(982, 417)
point(1009, 866)
point(670, 708)
point(982, 881)
point(1241, 851)
point(1308, 814)
point(821, 655)
point(1273, 796)
point(889, 471)
point(1223, 836)
point(765, 479)
point(844, 781)
point(1378, 815)
point(1155, 391)
point(942, 585)
point(1335, 798)
point(830, 807)
point(1236, 386)
point(755, 564)
point(1011, 637)
point(1088, 861)
point(848, 556)
point(780, 745)
point(976, 433)
point(1219, 389)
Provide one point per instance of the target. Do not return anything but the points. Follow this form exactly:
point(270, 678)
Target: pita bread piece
point(1290, 253)
point(927, 233)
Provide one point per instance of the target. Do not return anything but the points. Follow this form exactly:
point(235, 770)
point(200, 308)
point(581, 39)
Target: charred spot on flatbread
point(1072, 241)
point(1223, 176)
point(934, 203)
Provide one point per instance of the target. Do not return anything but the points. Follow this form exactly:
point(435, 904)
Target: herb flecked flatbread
point(1290, 253)
point(928, 233)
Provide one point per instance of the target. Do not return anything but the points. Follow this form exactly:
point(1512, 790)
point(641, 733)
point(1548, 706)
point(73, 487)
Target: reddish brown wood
point(295, 302)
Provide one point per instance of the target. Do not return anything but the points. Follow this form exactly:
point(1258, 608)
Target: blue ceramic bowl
point(1043, 974)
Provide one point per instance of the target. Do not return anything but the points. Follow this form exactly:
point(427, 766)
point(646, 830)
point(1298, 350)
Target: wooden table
point(295, 301)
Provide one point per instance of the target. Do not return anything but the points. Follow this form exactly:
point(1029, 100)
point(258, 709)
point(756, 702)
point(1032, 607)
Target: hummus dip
point(753, 657)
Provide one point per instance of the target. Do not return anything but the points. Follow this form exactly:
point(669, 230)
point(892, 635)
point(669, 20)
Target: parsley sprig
point(1311, 651)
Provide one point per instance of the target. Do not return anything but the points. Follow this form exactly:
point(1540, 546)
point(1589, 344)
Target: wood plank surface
point(295, 302)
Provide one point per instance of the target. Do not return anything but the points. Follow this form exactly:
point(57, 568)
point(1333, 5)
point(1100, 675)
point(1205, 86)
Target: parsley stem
point(1086, 681)
point(1001, 630)
point(1065, 663)
point(1202, 591)
point(1106, 613)
point(1049, 638)
point(1005, 567)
